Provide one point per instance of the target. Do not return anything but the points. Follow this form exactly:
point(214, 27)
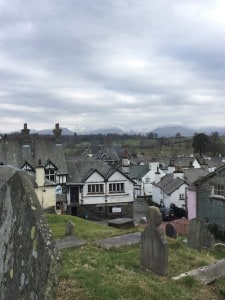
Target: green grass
point(84, 229)
point(91, 272)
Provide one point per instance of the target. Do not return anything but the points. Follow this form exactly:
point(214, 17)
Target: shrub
point(218, 231)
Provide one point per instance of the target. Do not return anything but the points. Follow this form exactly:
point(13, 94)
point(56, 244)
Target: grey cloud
point(133, 64)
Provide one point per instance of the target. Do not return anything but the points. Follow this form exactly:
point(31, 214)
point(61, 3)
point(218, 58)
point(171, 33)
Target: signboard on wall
point(58, 190)
point(116, 209)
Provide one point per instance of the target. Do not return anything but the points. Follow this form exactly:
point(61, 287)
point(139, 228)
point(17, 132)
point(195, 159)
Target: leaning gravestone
point(171, 231)
point(29, 261)
point(154, 247)
point(198, 235)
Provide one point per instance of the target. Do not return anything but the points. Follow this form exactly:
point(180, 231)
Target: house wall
point(46, 196)
point(159, 196)
point(191, 204)
point(109, 197)
point(105, 211)
point(147, 187)
point(196, 164)
point(108, 204)
point(211, 209)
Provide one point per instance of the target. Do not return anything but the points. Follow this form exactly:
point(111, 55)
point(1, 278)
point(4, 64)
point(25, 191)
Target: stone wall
point(29, 261)
point(93, 212)
point(211, 209)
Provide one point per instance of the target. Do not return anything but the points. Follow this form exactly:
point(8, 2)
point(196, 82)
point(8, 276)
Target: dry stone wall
point(29, 260)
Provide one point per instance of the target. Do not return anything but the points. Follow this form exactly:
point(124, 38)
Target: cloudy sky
point(128, 63)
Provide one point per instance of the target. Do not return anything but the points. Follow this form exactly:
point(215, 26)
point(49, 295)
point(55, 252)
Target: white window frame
point(117, 187)
point(218, 190)
point(96, 188)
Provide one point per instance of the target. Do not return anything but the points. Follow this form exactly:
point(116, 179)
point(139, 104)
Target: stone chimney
point(25, 134)
point(171, 167)
point(178, 173)
point(157, 176)
point(40, 174)
point(125, 163)
point(57, 133)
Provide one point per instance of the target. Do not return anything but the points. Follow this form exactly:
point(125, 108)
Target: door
point(74, 194)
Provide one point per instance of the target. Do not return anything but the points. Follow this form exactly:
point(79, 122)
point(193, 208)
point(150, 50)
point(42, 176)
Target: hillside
point(91, 272)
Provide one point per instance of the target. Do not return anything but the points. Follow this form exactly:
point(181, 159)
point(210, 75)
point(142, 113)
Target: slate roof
point(217, 170)
point(79, 171)
point(168, 184)
point(138, 171)
point(193, 174)
point(13, 151)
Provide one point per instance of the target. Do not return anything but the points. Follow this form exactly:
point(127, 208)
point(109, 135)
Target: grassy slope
point(91, 272)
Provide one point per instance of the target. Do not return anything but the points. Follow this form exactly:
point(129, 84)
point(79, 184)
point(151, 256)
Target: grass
point(91, 272)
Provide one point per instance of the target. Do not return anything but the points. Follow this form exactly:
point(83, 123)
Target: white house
point(170, 189)
point(99, 191)
point(45, 190)
point(144, 176)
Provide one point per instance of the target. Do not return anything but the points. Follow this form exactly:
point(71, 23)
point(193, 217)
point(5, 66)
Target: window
point(219, 190)
point(50, 174)
point(147, 180)
point(95, 188)
point(116, 187)
point(181, 197)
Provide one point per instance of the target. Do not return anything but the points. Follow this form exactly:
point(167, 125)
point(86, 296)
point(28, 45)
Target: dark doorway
point(74, 194)
point(74, 211)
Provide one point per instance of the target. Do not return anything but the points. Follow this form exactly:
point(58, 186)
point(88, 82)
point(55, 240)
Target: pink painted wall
point(191, 204)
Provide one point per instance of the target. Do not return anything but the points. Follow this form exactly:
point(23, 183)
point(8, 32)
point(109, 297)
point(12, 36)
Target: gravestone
point(29, 261)
point(154, 247)
point(171, 231)
point(69, 227)
point(198, 236)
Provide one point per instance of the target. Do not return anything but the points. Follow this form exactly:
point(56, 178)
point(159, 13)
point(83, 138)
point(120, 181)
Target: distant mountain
point(65, 131)
point(105, 130)
point(171, 130)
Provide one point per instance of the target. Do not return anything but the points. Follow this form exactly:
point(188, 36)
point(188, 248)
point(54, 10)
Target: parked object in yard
point(167, 214)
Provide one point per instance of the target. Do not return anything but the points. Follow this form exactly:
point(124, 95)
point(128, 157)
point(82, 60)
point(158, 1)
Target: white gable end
point(95, 177)
point(117, 176)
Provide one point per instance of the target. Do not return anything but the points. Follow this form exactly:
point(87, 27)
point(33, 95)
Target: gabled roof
point(79, 171)
point(192, 174)
point(168, 184)
point(217, 170)
point(14, 152)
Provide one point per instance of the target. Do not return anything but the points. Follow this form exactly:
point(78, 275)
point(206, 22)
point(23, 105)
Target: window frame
point(116, 187)
point(96, 188)
point(219, 190)
point(181, 197)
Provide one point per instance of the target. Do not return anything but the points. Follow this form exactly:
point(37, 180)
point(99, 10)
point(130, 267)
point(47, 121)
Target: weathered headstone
point(171, 231)
point(154, 247)
point(206, 274)
point(198, 236)
point(29, 261)
point(69, 227)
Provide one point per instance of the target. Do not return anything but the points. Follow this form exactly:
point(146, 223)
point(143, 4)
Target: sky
point(133, 64)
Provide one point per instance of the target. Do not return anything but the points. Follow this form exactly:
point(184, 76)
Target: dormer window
point(50, 171)
point(27, 167)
